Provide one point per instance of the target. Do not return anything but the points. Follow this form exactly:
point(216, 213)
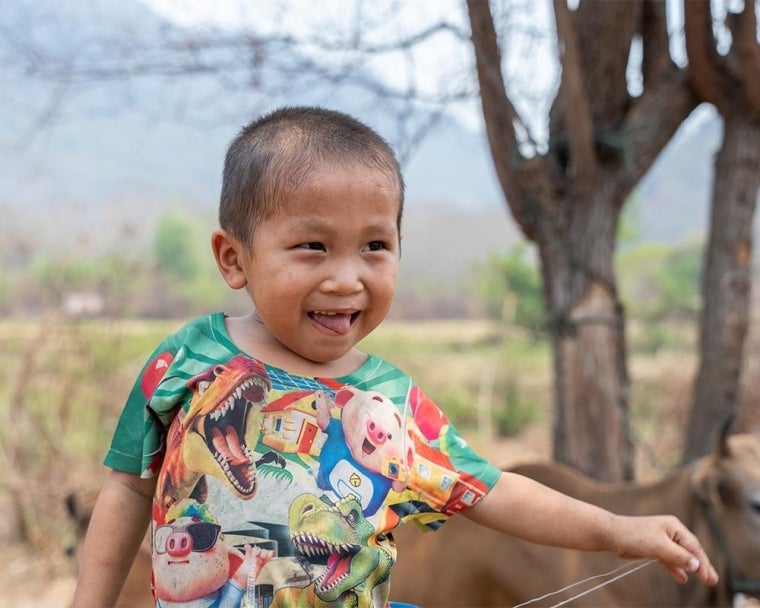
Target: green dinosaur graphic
point(338, 536)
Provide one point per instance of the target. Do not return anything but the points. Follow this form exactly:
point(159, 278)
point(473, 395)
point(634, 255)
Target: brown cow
point(136, 592)
point(718, 498)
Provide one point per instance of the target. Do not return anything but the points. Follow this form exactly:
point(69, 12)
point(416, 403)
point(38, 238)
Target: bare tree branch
point(744, 32)
point(46, 117)
point(606, 53)
point(501, 117)
point(652, 122)
point(281, 64)
point(703, 68)
point(407, 42)
point(656, 60)
point(577, 113)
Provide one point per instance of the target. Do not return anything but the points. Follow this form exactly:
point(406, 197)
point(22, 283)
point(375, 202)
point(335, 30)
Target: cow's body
point(466, 565)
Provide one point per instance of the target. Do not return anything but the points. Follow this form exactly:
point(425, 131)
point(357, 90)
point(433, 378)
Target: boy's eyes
point(314, 246)
point(371, 246)
point(375, 246)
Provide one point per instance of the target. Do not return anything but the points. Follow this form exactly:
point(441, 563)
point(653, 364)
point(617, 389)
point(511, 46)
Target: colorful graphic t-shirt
point(276, 489)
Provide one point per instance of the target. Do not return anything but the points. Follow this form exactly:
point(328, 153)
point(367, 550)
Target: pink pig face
point(372, 428)
point(189, 559)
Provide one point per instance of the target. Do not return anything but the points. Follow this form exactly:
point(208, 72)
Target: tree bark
point(726, 283)
point(731, 83)
point(588, 339)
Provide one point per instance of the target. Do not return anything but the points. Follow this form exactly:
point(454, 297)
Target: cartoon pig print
point(363, 454)
point(192, 565)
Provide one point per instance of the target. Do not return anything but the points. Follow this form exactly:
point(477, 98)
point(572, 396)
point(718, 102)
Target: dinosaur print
point(215, 435)
point(341, 539)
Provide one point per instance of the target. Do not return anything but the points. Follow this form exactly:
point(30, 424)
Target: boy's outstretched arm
point(117, 527)
point(524, 508)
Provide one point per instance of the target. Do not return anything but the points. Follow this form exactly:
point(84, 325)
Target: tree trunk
point(731, 82)
point(588, 341)
point(727, 281)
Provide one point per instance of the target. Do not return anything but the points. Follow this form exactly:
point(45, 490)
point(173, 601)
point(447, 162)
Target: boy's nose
point(344, 278)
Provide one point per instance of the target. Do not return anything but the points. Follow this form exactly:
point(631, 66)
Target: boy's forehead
point(327, 169)
point(324, 173)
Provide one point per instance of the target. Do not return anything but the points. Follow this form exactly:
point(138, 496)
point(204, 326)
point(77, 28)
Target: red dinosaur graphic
point(215, 435)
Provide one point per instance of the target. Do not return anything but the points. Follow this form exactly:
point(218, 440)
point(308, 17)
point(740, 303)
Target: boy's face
point(322, 271)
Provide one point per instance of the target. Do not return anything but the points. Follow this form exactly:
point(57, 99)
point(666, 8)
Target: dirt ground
point(29, 579)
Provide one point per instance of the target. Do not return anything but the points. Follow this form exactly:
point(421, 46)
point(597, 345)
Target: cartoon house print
point(433, 475)
point(290, 424)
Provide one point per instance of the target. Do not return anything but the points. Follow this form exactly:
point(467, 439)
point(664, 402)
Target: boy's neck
point(251, 337)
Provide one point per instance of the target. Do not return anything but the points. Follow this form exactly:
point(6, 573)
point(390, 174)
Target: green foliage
point(660, 288)
point(662, 282)
point(187, 282)
point(629, 226)
point(511, 288)
point(678, 280)
point(176, 278)
point(516, 413)
point(59, 276)
point(115, 277)
point(176, 247)
point(276, 472)
point(459, 405)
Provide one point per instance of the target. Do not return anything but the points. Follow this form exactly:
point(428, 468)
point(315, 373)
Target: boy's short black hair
point(277, 152)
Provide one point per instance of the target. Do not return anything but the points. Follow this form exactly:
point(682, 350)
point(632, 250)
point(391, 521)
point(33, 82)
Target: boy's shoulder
point(197, 343)
point(210, 323)
point(208, 328)
point(375, 367)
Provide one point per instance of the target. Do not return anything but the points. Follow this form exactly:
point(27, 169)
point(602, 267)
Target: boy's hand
point(665, 538)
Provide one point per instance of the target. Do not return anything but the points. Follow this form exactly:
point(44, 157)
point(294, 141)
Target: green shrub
point(516, 411)
point(512, 290)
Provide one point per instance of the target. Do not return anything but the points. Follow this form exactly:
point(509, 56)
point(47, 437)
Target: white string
point(627, 570)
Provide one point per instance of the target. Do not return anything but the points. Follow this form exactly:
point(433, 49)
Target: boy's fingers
point(695, 559)
point(707, 573)
point(679, 574)
point(702, 569)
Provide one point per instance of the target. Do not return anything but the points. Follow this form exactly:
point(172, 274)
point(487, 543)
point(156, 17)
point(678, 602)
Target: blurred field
point(63, 383)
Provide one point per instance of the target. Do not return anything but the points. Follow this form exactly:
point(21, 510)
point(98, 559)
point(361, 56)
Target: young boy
point(270, 456)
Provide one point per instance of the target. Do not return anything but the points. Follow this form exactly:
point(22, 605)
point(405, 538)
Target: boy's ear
point(228, 255)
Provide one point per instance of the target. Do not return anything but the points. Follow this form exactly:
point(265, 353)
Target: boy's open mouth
point(337, 322)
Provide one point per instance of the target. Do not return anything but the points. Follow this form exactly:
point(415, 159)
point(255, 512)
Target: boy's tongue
point(339, 323)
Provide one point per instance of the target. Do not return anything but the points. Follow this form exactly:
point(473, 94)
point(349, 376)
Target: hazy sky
point(441, 59)
point(306, 16)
